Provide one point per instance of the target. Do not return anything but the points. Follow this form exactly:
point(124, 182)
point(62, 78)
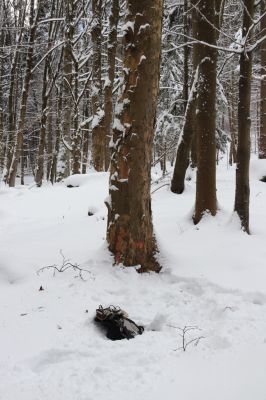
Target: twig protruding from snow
point(66, 264)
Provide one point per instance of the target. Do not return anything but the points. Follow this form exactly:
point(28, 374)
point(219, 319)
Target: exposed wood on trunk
point(130, 230)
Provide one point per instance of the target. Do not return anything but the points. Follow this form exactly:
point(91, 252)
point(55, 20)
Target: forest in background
point(79, 89)
point(132, 134)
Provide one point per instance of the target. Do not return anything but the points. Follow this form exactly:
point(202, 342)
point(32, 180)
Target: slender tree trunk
point(186, 56)
point(232, 121)
point(23, 163)
point(53, 176)
point(13, 82)
point(2, 154)
point(206, 114)
point(67, 87)
point(109, 83)
point(46, 100)
point(85, 144)
point(75, 138)
point(25, 93)
point(243, 149)
point(130, 231)
point(40, 158)
point(49, 139)
point(98, 137)
point(2, 43)
point(262, 136)
point(188, 131)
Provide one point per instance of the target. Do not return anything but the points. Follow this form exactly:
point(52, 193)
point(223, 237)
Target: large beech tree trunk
point(262, 136)
point(130, 230)
point(206, 115)
point(243, 149)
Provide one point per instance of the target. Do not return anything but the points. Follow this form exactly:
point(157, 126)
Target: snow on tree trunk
point(109, 83)
point(130, 230)
point(243, 149)
point(205, 113)
point(98, 139)
point(262, 137)
point(188, 131)
point(24, 99)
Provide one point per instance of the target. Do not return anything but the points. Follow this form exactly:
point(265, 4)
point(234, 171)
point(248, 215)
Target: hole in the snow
point(263, 179)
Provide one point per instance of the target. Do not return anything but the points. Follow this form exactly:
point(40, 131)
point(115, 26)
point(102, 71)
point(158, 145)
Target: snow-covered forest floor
point(213, 278)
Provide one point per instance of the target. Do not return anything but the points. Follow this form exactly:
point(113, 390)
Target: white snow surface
point(213, 278)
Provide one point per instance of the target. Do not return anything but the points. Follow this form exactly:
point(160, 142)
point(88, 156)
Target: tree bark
point(206, 114)
point(130, 230)
point(243, 149)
